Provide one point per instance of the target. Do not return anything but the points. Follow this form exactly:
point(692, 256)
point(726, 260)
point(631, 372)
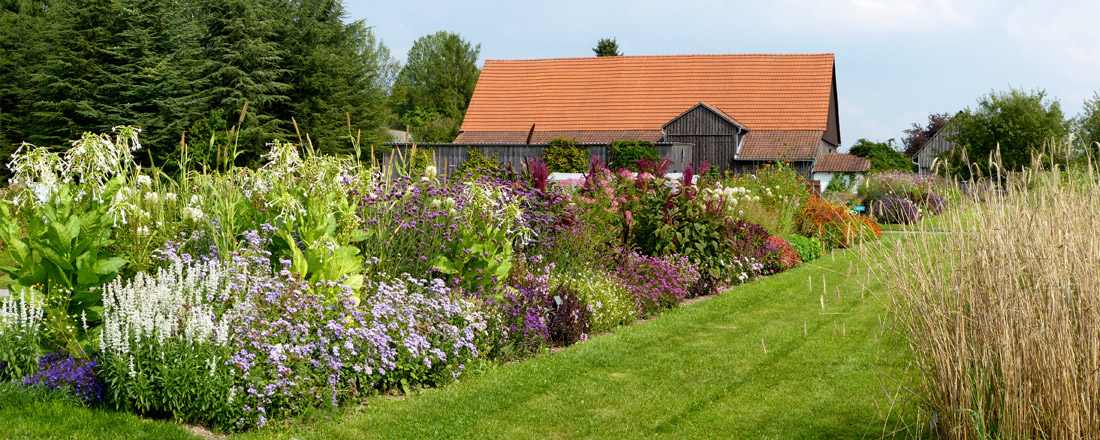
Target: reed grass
point(1000, 301)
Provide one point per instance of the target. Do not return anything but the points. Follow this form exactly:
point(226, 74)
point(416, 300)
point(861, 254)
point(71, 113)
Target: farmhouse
point(736, 112)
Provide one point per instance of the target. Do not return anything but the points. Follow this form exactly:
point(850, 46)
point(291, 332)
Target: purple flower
point(58, 371)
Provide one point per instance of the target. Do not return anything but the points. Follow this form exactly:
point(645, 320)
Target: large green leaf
point(109, 266)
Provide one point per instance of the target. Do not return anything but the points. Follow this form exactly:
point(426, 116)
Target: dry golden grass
point(1001, 307)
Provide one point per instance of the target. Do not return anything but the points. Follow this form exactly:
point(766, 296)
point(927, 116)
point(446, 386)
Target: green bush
point(610, 303)
point(626, 154)
point(882, 155)
point(477, 165)
point(808, 248)
point(564, 156)
point(841, 183)
point(781, 190)
point(419, 160)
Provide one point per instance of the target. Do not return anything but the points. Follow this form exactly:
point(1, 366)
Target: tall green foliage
point(1017, 122)
point(341, 73)
point(175, 67)
point(626, 154)
point(435, 86)
point(883, 155)
point(1087, 126)
point(565, 156)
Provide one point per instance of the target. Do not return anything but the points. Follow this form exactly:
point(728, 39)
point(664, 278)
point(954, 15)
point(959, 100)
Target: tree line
point(220, 72)
point(1012, 124)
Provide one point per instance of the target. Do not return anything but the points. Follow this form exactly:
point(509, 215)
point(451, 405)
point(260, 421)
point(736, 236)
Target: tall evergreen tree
point(76, 82)
point(340, 72)
point(607, 47)
point(244, 73)
point(176, 67)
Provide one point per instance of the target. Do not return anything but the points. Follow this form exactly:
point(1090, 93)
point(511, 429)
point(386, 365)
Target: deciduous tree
point(437, 80)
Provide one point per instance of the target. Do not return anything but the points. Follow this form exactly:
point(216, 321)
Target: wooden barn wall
point(934, 148)
point(804, 168)
point(715, 139)
point(448, 157)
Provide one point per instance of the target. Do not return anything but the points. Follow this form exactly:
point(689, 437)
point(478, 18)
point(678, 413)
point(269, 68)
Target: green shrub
point(841, 183)
point(564, 156)
point(419, 160)
point(626, 154)
point(610, 303)
point(65, 246)
point(808, 248)
point(781, 190)
point(477, 165)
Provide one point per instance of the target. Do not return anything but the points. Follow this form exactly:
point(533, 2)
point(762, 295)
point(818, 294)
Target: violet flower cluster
point(656, 282)
point(432, 332)
point(526, 307)
point(60, 371)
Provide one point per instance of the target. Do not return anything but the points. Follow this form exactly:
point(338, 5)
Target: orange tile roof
point(763, 92)
point(769, 145)
point(544, 137)
point(491, 137)
point(841, 163)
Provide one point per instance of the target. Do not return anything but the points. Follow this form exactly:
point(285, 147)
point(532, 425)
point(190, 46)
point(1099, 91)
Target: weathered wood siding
point(804, 168)
point(448, 157)
point(715, 138)
point(932, 149)
point(832, 129)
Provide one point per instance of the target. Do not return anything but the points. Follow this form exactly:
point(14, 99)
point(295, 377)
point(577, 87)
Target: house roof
point(792, 145)
point(544, 137)
point(758, 91)
point(841, 163)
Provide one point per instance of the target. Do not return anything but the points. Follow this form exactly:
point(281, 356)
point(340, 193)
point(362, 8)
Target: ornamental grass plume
point(1000, 305)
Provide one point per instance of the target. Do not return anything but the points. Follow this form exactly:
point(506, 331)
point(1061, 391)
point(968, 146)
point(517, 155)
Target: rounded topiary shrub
point(565, 156)
point(896, 210)
point(626, 154)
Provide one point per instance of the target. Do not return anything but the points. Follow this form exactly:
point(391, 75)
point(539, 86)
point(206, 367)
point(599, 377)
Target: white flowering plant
point(609, 303)
point(21, 316)
point(164, 342)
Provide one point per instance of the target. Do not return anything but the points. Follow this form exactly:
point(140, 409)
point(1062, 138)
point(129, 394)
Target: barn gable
point(715, 134)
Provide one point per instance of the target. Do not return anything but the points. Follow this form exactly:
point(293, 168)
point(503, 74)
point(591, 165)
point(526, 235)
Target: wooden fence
point(448, 157)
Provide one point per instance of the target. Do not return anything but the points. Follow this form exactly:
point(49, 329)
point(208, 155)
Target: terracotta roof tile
point(780, 145)
point(841, 163)
point(491, 137)
point(544, 137)
point(763, 92)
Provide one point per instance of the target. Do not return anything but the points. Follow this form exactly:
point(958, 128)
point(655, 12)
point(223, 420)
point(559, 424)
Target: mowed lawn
point(803, 354)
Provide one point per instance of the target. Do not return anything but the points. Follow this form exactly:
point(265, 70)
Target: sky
point(896, 61)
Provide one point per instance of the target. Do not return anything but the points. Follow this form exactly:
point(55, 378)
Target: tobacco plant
point(61, 248)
